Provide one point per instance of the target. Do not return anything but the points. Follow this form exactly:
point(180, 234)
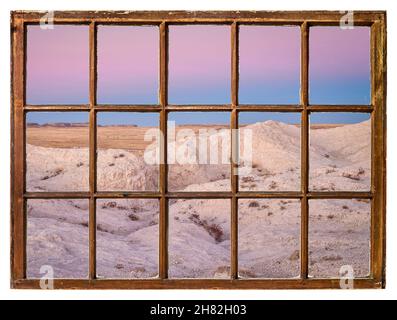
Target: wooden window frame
point(376, 20)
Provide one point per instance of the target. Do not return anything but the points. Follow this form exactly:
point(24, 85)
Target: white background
point(6, 293)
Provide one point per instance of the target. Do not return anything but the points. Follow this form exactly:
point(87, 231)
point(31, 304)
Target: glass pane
point(339, 237)
point(57, 156)
point(128, 64)
point(340, 151)
point(199, 151)
point(269, 64)
point(57, 238)
point(339, 65)
point(199, 64)
point(269, 151)
point(199, 238)
point(127, 238)
point(57, 65)
point(269, 238)
point(128, 151)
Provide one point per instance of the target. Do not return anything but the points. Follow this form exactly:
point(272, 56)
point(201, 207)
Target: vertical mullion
point(18, 218)
point(378, 153)
point(304, 148)
point(93, 154)
point(234, 152)
point(163, 221)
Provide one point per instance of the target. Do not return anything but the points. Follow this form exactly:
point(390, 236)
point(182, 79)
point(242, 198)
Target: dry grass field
point(109, 137)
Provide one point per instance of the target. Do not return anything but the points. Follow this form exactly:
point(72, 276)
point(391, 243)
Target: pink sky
point(339, 65)
point(199, 64)
point(335, 52)
point(128, 64)
point(57, 65)
point(269, 64)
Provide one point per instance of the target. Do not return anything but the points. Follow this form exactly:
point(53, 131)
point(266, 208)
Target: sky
point(269, 65)
point(200, 117)
point(128, 64)
point(152, 119)
point(57, 65)
point(127, 118)
point(199, 64)
point(199, 67)
point(339, 67)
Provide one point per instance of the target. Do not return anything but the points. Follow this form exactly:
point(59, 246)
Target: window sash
point(375, 20)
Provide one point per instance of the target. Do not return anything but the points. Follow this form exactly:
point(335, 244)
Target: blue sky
point(152, 119)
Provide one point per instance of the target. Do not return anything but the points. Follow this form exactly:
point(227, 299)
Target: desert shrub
point(133, 217)
point(253, 204)
point(330, 216)
point(214, 230)
point(52, 174)
point(109, 204)
point(332, 258)
point(345, 207)
point(100, 227)
point(273, 185)
point(247, 179)
point(120, 155)
point(352, 176)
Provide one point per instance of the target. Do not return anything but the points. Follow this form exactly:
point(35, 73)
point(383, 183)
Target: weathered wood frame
point(374, 19)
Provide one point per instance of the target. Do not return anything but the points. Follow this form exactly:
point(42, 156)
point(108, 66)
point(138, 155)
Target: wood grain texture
point(163, 221)
point(18, 167)
point(304, 99)
point(378, 219)
point(197, 284)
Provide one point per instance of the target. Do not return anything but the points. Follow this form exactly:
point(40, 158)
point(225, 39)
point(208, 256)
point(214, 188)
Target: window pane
point(199, 64)
point(269, 64)
point(269, 238)
point(199, 238)
point(340, 151)
point(127, 238)
point(57, 65)
point(128, 151)
point(57, 238)
point(199, 151)
point(269, 151)
point(339, 65)
point(57, 151)
point(339, 235)
point(128, 64)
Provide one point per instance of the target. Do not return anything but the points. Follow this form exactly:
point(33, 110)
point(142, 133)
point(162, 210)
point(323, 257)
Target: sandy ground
point(199, 230)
